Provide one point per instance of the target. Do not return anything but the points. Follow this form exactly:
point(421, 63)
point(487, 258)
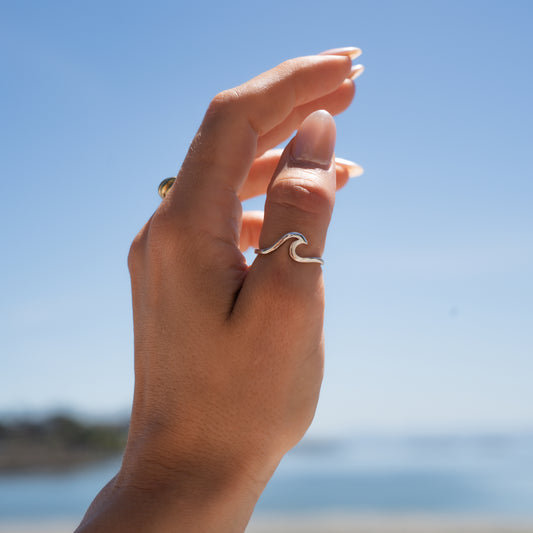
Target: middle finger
point(263, 169)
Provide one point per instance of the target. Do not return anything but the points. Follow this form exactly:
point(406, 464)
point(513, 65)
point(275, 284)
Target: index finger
point(225, 146)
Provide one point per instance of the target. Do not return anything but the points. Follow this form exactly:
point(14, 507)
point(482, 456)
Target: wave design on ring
point(298, 239)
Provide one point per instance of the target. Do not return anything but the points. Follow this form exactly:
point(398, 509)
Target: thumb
point(300, 198)
point(301, 195)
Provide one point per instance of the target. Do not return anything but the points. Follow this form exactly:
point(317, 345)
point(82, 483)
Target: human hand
point(229, 357)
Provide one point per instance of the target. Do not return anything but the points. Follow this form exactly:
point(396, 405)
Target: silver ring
point(298, 239)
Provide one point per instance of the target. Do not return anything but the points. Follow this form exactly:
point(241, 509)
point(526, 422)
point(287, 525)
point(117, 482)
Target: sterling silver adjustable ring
point(298, 239)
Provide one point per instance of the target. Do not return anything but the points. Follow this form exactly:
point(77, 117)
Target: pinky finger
point(346, 169)
point(252, 223)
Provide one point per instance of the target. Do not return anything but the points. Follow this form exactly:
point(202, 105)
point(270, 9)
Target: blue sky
point(429, 263)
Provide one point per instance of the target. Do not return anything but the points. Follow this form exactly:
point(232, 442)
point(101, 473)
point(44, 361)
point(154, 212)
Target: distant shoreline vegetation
point(58, 442)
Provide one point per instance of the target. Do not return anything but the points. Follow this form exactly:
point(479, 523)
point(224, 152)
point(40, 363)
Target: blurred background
point(426, 412)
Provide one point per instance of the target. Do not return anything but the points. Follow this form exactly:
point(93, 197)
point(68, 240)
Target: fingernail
point(315, 141)
point(356, 71)
point(350, 51)
point(354, 170)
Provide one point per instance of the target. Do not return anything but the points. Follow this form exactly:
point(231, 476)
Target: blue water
point(489, 475)
point(480, 475)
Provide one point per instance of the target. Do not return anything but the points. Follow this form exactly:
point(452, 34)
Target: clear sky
point(429, 263)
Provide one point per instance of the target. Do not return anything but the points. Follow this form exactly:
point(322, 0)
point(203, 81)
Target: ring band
point(298, 239)
point(164, 186)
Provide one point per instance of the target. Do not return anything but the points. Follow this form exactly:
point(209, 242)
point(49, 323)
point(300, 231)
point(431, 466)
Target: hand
point(229, 357)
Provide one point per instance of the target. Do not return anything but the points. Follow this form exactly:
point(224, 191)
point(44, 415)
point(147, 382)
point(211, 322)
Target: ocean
point(478, 475)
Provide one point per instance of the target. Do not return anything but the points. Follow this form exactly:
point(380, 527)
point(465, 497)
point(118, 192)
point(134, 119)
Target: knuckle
point(291, 65)
point(305, 194)
point(223, 101)
point(287, 66)
point(136, 251)
point(154, 243)
point(163, 235)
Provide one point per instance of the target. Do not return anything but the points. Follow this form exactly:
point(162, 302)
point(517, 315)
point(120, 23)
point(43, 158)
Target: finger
point(302, 194)
point(252, 222)
point(263, 168)
point(333, 103)
point(350, 51)
point(224, 149)
point(345, 170)
point(201, 214)
point(299, 199)
point(260, 174)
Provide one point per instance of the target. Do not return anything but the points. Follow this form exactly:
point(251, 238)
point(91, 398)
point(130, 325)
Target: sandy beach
point(387, 524)
point(324, 524)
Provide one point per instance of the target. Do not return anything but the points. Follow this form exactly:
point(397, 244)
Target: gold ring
point(164, 186)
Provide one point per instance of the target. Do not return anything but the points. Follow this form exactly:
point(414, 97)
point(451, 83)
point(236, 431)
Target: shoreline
point(322, 523)
point(387, 523)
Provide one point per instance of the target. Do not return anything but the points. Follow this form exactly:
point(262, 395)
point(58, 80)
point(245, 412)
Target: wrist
point(199, 498)
point(200, 495)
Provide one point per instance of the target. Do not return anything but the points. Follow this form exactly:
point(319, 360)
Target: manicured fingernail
point(315, 141)
point(350, 51)
point(356, 71)
point(354, 170)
